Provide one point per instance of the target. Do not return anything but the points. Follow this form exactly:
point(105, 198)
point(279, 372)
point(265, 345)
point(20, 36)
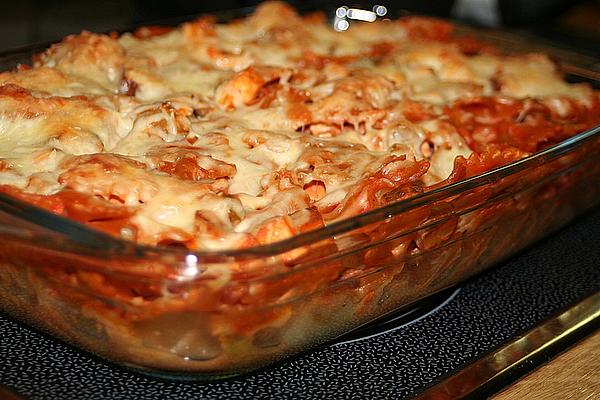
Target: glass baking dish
point(206, 315)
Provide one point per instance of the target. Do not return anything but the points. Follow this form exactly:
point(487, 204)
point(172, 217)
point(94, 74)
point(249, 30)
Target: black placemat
point(486, 312)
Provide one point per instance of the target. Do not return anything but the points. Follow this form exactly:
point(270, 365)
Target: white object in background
point(486, 12)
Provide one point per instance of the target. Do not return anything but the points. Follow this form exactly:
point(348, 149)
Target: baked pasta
point(213, 136)
point(216, 142)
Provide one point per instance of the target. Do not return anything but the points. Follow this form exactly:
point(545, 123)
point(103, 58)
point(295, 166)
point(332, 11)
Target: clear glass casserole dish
point(206, 315)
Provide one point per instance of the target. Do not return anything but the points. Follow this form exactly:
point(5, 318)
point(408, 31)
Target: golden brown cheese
point(218, 136)
point(89, 57)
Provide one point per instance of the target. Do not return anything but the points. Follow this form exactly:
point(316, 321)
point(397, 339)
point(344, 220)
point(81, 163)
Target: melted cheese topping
point(208, 134)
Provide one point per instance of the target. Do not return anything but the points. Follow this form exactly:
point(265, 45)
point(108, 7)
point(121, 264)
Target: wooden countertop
point(574, 374)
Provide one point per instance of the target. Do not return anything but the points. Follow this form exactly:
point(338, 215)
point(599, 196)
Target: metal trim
point(504, 365)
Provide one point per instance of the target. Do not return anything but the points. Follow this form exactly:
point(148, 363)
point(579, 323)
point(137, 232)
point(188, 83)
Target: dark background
point(572, 23)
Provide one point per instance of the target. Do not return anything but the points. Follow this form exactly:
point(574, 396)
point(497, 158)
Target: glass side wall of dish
point(233, 320)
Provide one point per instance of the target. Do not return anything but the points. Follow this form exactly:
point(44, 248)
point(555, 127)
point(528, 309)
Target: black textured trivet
point(486, 312)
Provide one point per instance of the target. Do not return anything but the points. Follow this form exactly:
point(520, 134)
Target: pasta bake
point(251, 188)
point(225, 136)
